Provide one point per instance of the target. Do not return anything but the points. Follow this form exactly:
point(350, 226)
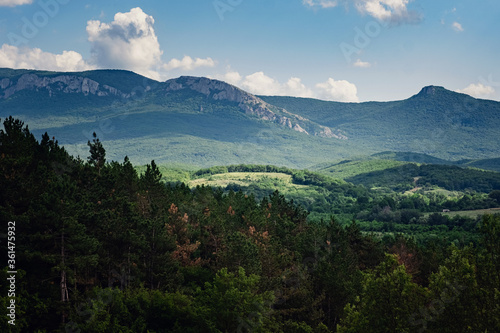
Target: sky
point(337, 50)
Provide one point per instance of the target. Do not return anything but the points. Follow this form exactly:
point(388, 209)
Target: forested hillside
point(435, 121)
point(203, 122)
point(99, 248)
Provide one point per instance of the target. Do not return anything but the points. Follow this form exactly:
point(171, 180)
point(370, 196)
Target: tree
point(232, 303)
point(386, 303)
point(495, 195)
point(97, 156)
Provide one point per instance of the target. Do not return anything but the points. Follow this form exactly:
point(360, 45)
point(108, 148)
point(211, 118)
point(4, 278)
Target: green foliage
point(411, 124)
point(101, 249)
point(230, 303)
point(387, 301)
point(97, 156)
point(146, 119)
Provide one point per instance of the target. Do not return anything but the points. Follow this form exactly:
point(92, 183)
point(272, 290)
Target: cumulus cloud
point(128, 42)
point(26, 58)
point(457, 27)
point(188, 63)
point(341, 91)
point(13, 3)
point(478, 90)
point(295, 87)
point(392, 11)
point(361, 64)
point(259, 83)
point(233, 78)
point(320, 3)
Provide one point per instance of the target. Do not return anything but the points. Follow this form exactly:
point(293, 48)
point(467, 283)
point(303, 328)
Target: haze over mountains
point(204, 122)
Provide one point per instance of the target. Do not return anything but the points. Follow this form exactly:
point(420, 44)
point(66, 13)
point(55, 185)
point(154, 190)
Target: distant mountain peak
point(431, 91)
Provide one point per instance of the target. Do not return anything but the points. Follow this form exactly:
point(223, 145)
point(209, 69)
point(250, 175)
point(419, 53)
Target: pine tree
point(97, 156)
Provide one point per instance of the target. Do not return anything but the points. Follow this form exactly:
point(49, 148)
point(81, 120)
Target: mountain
point(101, 86)
point(188, 120)
point(205, 122)
point(436, 121)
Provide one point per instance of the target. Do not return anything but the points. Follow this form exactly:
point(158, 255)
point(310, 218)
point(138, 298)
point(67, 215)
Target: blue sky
point(342, 50)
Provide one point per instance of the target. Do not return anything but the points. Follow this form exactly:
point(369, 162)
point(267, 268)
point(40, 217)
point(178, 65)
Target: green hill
point(203, 122)
point(435, 122)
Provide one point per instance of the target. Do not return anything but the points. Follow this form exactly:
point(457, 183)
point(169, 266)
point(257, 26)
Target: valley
point(162, 196)
point(203, 122)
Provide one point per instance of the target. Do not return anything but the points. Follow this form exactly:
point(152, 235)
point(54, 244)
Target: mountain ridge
point(205, 122)
point(84, 83)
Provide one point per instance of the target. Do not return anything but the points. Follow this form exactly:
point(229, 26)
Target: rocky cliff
point(62, 83)
point(250, 104)
point(91, 84)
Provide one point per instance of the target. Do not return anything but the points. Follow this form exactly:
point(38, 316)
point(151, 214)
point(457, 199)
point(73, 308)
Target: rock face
point(69, 84)
point(250, 104)
point(56, 84)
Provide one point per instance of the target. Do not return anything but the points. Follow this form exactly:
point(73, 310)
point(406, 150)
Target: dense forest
point(100, 248)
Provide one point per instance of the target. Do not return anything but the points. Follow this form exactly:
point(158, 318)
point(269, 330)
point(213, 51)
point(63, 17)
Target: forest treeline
point(449, 177)
point(101, 249)
point(379, 210)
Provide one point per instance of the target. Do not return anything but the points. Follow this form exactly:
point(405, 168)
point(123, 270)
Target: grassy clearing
point(244, 179)
point(348, 169)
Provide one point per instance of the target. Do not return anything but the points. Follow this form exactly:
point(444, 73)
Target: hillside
point(130, 254)
point(203, 122)
point(194, 121)
point(435, 121)
point(403, 171)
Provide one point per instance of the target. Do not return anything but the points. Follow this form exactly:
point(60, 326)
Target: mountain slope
point(206, 122)
point(98, 88)
point(185, 120)
point(436, 121)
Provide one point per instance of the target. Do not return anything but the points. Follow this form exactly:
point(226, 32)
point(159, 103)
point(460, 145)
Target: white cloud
point(260, 84)
point(188, 63)
point(478, 90)
point(13, 3)
point(393, 11)
point(26, 58)
point(361, 64)
point(295, 87)
point(341, 91)
point(129, 42)
point(232, 77)
point(320, 3)
point(457, 27)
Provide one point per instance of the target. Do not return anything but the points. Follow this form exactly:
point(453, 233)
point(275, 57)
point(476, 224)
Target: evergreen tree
point(97, 156)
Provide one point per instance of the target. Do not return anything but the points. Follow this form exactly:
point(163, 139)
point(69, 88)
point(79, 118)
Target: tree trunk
point(64, 287)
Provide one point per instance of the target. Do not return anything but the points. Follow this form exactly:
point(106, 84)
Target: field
point(244, 179)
